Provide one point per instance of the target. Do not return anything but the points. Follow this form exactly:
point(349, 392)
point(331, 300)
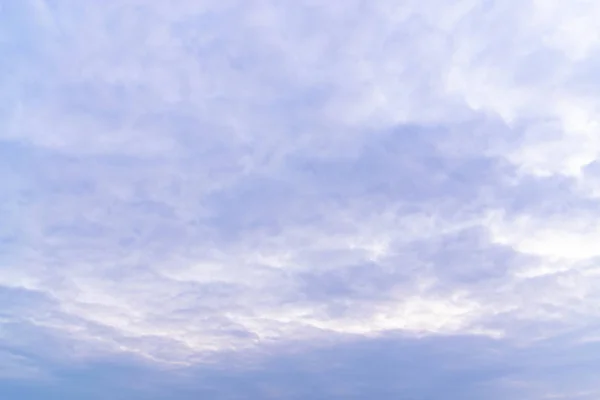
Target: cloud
point(182, 180)
point(428, 367)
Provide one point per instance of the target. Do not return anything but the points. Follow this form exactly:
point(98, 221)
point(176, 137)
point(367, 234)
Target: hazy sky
point(299, 199)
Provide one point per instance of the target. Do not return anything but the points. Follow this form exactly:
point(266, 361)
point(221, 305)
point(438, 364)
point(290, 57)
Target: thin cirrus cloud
point(259, 198)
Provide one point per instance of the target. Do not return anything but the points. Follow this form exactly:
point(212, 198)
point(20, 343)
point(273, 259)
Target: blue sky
point(299, 199)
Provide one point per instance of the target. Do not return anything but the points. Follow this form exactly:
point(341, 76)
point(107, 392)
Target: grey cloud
point(425, 368)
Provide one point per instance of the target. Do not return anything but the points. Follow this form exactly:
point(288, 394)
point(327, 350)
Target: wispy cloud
point(184, 179)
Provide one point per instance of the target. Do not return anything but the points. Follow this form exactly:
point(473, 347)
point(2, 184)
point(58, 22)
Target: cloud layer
point(183, 179)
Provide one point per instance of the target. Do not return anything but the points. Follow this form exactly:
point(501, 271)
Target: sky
point(308, 199)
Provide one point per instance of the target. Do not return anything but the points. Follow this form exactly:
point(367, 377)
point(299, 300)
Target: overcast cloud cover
point(324, 199)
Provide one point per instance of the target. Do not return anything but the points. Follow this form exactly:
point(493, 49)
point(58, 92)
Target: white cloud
point(192, 162)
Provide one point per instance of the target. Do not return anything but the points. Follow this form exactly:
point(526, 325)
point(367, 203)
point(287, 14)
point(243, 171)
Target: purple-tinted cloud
point(189, 183)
